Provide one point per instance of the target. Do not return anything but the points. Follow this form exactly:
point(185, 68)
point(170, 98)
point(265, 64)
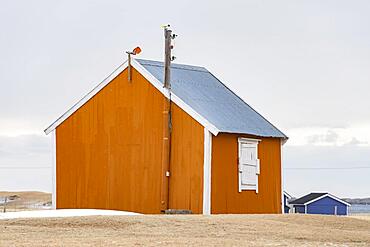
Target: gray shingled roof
point(210, 98)
point(306, 198)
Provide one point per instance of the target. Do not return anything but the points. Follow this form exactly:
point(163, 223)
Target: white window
point(249, 164)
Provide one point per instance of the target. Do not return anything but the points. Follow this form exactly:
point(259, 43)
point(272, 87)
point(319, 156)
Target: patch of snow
point(62, 213)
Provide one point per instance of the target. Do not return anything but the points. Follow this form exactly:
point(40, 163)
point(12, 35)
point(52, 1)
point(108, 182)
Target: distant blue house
point(320, 203)
point(287, 197)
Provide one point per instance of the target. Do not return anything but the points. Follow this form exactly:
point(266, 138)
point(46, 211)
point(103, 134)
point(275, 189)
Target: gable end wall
point(109, 152)
point(326, 205)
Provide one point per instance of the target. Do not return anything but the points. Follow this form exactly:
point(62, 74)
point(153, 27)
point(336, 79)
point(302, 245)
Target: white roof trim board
point(157, 84)
point(327, 195)
point(86, 98)
point(198, 93)
point(174, 98)
point(323, 196)
point(213, 100)
point(287, 194)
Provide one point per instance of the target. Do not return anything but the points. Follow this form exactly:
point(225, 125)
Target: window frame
point(241, 141)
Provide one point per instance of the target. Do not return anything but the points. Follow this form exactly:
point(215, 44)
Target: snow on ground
point(61, 213)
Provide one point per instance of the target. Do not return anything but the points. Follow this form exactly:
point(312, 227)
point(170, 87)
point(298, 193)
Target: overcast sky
point(304, 65)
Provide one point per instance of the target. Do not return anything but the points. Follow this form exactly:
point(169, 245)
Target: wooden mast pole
point(167, 125)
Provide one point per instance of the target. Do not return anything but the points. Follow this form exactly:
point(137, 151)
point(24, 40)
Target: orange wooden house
point(223, 156)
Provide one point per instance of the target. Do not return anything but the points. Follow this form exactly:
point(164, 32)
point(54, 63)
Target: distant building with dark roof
point(320, 203)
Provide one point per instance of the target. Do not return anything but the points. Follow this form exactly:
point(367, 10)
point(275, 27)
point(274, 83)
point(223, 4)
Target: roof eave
point(329, 195)
point(157, 84)
point(86, 98)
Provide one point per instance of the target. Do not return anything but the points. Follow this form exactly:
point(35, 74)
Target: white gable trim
point(147, 75)
point(86, 98)
point(175, 99)
point(329, 195)
point(156, 83)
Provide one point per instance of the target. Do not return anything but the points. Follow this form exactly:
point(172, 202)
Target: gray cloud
point(329, 137)
point(299, 63)
point(302, 63)
point(354, 142)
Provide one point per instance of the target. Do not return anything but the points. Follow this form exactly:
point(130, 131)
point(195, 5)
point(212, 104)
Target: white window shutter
point(248, 175)
point(249, 164)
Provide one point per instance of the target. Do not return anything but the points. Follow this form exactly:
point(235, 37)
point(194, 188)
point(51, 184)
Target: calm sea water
point(359, 209)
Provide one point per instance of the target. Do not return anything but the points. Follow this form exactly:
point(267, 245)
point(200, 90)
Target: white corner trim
point(53, 171)
point(147, 75)
point(207, 172)
point(327, 195)
point(282, 177)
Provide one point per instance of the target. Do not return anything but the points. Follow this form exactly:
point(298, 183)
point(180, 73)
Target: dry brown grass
point(25, 200)
point(361, 216)
point(176, 230)
point(28, 195)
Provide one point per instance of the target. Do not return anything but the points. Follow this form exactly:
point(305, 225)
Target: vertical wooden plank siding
point(187, 151)
point(109, 151)
point(225, 197)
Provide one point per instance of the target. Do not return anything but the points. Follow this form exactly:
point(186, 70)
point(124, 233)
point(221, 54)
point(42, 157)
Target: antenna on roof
point(135, 51)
